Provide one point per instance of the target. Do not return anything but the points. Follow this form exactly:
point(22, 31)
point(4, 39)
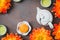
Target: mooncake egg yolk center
point(23, 28)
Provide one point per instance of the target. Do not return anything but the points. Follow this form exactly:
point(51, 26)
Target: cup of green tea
point(3, 30)
point(17, 1)
point(45, 3)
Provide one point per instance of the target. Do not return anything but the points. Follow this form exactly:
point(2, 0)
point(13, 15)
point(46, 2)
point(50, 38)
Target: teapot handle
point(50, 25)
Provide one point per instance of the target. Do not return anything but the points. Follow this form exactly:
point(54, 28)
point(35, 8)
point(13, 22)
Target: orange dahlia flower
point(12, 36)
point(56, 8)
point(40, 34)
point(56, 31)
point(4, 5)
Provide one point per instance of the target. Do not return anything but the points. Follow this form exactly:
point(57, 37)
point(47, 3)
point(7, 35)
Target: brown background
point(25, 10)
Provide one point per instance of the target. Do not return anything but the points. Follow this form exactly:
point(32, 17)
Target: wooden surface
point(25, 10)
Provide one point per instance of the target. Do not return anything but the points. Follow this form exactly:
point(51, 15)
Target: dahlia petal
point(56, 31)
point(40, 34)
point(11, 36)
point(56, 8)
point(4, 6)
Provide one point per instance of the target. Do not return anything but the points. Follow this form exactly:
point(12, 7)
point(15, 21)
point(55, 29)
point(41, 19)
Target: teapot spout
point(38, 9)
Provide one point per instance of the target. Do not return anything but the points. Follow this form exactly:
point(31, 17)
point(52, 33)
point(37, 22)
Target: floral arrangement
point(40, 34)
point(56, 31)
point(12, 36)
point(4, 6)
point(56, 8)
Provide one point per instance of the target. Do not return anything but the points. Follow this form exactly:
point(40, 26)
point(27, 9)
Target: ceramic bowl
point(24, 34)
